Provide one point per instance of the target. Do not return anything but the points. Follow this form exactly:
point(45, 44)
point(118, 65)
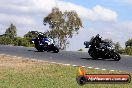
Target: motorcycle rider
point(99, 49)
point(96, 41)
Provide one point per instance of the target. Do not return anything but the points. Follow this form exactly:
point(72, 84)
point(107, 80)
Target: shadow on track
point(98, 59)
point(41, 51)
point(33, 50)
point(91, 59)
point(87, 58)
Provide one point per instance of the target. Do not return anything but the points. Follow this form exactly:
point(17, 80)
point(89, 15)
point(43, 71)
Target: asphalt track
point(69, 57)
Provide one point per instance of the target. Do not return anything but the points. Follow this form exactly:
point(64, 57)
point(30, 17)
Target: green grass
point(34, 74)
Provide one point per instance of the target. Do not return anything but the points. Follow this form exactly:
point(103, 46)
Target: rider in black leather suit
point(96, 41)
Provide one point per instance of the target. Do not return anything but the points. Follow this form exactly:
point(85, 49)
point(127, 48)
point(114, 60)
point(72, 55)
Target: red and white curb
point(89, 67)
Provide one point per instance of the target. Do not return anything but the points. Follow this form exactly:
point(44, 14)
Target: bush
point(80, 50)
point(17, 41)
point(5, 41)
point(121, 51)
point(128, 50)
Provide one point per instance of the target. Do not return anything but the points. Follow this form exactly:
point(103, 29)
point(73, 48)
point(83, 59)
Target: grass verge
point(25, 73)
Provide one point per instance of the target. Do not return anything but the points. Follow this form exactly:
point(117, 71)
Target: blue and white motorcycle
point(44, 43)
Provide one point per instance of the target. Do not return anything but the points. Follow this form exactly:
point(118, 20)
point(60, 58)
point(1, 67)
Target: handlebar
point(86, 43)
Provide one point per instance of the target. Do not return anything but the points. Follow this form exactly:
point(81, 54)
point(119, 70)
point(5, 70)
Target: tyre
point(37, 45)
point(94, 57)
point(116, 56)
point(39, 48)
point(81, 80)
point(56, 50)
point(91, 53)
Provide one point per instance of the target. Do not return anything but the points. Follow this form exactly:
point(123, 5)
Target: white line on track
point(112, 70)
point(97, 68)
point(103, 69)
point(75, 65)
point(67, 64)
point(90, 67)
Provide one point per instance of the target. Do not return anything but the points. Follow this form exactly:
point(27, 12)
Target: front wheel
point(91, 53)
point(37, 45)
point(56, 50)
point(39, 48)
point(116, 56)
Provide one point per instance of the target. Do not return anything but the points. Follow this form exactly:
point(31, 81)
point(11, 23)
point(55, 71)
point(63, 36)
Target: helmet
point(98, 36)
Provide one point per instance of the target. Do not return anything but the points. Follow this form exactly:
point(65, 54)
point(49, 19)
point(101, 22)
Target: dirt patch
point(16, 62)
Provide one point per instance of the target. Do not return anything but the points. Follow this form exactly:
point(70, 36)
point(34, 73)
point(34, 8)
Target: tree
point(118, 48)
point(30, 34)
point(5, 40)
point(128, 43)
point(128, 48)
point(28, 37)
point(11, 32)
point(8, 36)
point(17, 41)
point(63, 25)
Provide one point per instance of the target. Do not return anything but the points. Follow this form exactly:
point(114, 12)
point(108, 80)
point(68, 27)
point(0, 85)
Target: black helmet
point(98, 36)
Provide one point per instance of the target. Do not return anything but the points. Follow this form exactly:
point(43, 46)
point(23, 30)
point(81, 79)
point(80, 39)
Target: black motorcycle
point(104, 51)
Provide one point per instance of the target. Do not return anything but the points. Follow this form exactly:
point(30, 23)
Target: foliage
point(21, 42)
point(11, 32)
point(10, 37)
point(17, 41)
point(80, 50)
point(129, 43)
point(128, 50)
point(30, 34)
point(6, 40)
point(118, 48)
point(63, 25)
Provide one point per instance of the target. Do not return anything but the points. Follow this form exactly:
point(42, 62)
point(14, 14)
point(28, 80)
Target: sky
point(111, 19)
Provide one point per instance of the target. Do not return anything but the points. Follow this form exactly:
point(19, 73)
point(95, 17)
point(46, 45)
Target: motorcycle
point(105, 51)
point(44, 44)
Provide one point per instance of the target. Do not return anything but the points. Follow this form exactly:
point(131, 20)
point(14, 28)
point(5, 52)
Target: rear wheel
point(116, 56)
